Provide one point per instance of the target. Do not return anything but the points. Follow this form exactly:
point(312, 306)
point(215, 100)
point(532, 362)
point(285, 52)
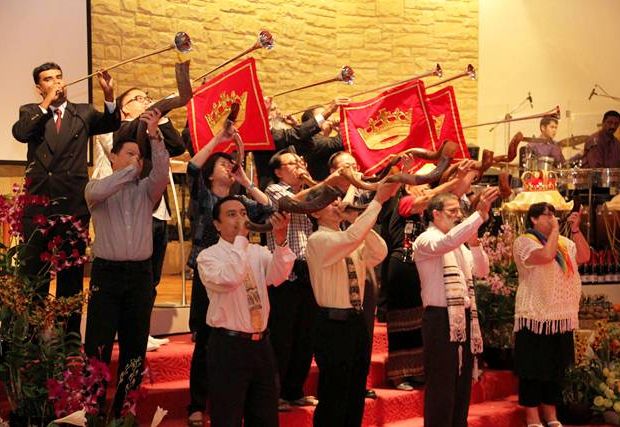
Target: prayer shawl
point(561, 256)
point(455, 297)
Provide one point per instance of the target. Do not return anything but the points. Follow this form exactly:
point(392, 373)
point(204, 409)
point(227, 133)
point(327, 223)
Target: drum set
point(588, 187)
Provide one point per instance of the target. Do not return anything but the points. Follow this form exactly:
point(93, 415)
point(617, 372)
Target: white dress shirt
point(429, 249)
point(326, 252)
point(223, 267)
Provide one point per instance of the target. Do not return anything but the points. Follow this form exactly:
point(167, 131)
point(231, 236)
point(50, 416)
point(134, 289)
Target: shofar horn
point(481, 166)
point(136, 129)
point(512, 149)
point(448, 149)
point(316, 199)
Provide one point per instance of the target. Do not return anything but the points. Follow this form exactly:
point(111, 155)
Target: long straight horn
point(265, 40)
point(182, 43)
point(346, 75)
point(436, 72)
point(554, 112)
point(469, 72)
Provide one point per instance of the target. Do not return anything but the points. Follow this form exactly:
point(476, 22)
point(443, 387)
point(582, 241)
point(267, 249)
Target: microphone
point(529, 98)
point(592, 93)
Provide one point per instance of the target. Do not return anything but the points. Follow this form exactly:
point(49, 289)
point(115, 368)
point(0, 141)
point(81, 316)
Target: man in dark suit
point(57, 133)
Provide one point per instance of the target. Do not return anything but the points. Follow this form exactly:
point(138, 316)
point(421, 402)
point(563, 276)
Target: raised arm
point(224, 272)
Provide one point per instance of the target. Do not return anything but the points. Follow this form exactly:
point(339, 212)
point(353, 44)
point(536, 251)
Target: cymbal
point(573, 141)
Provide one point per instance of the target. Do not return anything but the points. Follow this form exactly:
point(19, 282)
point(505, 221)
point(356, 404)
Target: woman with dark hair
point(546, 309)
point(404, 365)
point(210, 178)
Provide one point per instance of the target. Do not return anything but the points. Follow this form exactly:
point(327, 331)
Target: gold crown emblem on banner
point(386, 129)
point(539, 180)
point(221, 108)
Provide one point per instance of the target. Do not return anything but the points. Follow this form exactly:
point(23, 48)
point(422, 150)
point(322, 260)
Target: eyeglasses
point(140, 98)
point(453, 211)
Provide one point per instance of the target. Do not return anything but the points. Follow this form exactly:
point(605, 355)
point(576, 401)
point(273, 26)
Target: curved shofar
point(168, 104)
point(321, 195)
point(447, 152)
point(316, 199)
point(481, 166)
point(448, 148)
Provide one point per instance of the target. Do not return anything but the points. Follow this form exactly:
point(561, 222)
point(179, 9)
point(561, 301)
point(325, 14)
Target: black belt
point(257, 336)
point(340, 313)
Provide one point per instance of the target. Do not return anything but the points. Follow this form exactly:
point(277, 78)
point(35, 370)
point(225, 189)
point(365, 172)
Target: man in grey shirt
point(121, 284)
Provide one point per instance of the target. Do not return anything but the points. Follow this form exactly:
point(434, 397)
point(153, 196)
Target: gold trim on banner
point(217, 80)
point(369, 103)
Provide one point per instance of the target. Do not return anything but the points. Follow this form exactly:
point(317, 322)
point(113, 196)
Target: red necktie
point(58, 119)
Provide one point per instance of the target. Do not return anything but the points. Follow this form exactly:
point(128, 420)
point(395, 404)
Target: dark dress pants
point(121, 302)
point(291, 322)
point(69, 281)
point(242, 382)
point(342, 352)
point(198, 384)
point(447, 392)
point(160, 243)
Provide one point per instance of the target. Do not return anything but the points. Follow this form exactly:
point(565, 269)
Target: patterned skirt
point(404, 320)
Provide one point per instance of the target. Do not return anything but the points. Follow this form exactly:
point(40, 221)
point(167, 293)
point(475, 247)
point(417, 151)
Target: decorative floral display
point(595, 379)
point(495, 295)
point(45, 374)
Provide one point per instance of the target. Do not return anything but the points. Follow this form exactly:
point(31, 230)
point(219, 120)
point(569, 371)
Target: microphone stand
point(605, 94)
point(508, 116)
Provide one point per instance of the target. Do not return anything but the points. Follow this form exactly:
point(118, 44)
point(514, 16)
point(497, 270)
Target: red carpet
point(493, 401)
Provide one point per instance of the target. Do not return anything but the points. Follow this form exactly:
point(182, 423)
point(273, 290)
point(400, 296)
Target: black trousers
point(70, 281)
point(198, 383)
point(370, 306)
point(291, 322)
point(447, 392)
point(242, 382)
point(342, 352)
point(160, 243)
point(121, 302)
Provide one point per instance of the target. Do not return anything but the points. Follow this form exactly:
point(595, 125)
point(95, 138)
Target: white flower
point(159, 415)
point(77, 418)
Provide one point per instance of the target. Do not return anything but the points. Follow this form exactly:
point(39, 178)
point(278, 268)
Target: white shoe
point(158, 341)
point(151, 347)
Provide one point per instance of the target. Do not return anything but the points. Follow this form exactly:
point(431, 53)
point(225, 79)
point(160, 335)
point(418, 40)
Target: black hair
point(122, 96)
point(436, 204)
point(536, 210)
point(546, 120)
point(275, 162)
point(44, 67)
point(118, 144)
point(218, 205)
point(611, 113)
point(333, 157)
point(209, 166)
point(309, 113)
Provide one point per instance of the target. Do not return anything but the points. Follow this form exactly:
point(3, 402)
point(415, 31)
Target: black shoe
point(370, 394)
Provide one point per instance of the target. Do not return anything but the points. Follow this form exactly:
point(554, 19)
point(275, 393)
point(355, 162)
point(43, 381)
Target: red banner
point(208, 109)
point(389, 123)
point(445, 114)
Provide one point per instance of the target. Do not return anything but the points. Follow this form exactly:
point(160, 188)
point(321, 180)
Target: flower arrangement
point(44, 371)
point(495, 295)
point(33, 344)
point(594, 381)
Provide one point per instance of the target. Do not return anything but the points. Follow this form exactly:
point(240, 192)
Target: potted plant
point(495, 299)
